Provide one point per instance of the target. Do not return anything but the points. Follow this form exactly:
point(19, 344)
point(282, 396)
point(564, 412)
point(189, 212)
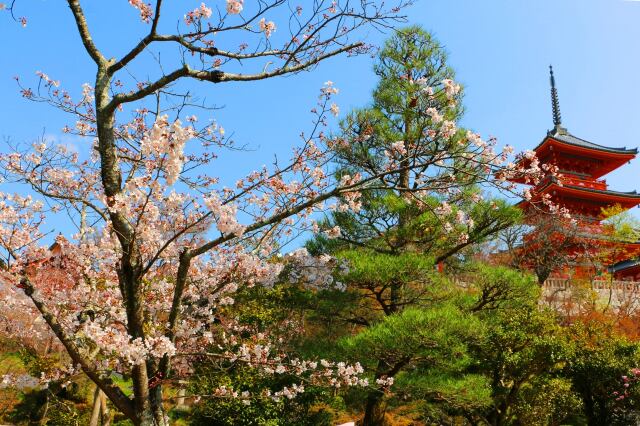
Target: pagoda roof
point(554, 181)
point(576, 156)
point(626, 200)
point(598, 160)
point(561, 141)
point(563, 136)
point(625, 264)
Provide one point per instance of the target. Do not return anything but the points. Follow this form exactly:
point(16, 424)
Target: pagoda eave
point(584, 147)
point(580, 201)
point(604, 159)
point(629, 269)
point(608, 160)
point(625, 199)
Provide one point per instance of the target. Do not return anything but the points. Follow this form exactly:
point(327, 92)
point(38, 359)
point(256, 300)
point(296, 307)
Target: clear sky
point(500, 49)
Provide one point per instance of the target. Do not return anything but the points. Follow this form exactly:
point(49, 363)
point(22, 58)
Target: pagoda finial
point(555, 103)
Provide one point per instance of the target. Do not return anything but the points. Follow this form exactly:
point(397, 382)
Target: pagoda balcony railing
point(618, 286)
point(583, 182)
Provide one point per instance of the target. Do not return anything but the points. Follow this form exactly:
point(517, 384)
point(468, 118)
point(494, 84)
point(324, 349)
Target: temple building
point(578, 183)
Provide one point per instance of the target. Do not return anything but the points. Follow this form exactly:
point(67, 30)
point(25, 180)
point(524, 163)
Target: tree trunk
point(395, 298)
point(95, 413)
point(150, 412)
point(496, 417)
point(542, 276)
point(374, 410)
point(104, 410)
point(159, 415)
point(180, 403)
point(147, 402)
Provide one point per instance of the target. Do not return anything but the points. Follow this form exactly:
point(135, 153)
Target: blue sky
point(500, 49)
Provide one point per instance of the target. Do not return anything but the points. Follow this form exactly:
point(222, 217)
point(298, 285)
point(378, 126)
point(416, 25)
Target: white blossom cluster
point(165, 143)
point(20, 381)
point(314, 272)
point(226, 215)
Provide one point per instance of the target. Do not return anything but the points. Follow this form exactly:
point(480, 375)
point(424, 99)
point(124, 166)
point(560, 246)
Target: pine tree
point(396, 239)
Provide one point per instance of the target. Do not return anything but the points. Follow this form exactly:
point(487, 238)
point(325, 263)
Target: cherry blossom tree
point(162, 244)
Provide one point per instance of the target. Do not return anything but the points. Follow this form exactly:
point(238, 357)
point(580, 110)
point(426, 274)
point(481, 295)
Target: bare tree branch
point(83, 30)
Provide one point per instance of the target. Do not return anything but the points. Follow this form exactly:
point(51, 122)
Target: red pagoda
point(578, 185)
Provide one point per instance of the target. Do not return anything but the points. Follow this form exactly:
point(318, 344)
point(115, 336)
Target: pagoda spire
point(555, 103)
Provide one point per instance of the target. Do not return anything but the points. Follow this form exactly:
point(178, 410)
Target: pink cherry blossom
point(234, 7)
point(146, 12)
point(333, 232)
point(451, 88)
point(267, 27)
point(203, 12)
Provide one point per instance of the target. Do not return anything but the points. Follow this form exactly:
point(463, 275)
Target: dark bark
point(374, 409)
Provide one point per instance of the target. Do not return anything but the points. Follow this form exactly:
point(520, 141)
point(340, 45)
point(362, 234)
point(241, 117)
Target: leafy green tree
point(597, 361)
point(426, 349)
point(496, 288)
point(397, 220)
point(522, 350)
point(548, 401)
point(520, 346)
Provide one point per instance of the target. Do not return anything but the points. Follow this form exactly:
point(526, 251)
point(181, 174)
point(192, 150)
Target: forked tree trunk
point(100, 413)
point(147, 403)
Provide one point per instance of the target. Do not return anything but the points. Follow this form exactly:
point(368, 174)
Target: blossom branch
point(105, 383)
